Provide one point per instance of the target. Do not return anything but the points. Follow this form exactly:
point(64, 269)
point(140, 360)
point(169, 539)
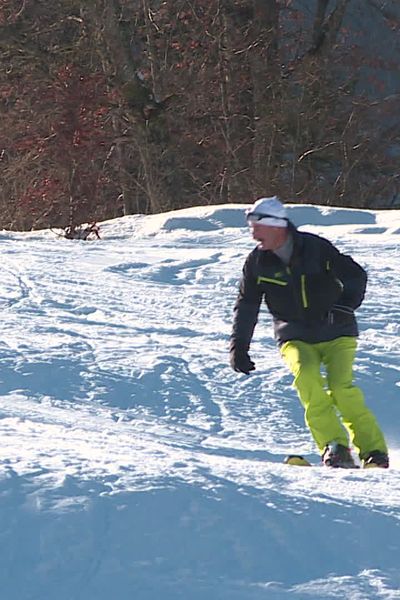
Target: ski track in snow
point(119, 413)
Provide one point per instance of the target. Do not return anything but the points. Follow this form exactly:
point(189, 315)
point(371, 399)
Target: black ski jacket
point(312, 299)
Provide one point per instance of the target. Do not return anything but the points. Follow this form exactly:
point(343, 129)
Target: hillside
point(136, 464)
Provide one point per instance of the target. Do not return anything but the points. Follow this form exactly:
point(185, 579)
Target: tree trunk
point(135, 115)
point(234, 184)
point(265, 71)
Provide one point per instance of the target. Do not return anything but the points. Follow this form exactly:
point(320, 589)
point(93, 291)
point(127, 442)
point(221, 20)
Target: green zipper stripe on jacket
point(269, 280)
point(303, 291)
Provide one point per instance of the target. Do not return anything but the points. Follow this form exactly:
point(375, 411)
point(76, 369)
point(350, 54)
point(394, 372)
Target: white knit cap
point(273, 209)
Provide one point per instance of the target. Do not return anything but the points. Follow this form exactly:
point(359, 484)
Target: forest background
point(115, 107)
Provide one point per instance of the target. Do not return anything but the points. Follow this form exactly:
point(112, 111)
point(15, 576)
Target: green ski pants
point(334, 408)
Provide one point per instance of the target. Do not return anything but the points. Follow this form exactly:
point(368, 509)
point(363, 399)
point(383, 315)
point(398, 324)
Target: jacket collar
point(298, 241)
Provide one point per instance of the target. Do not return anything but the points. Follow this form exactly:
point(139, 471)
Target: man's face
point(270, 238)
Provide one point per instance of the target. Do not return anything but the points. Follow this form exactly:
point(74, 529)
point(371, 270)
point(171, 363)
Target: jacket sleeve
point(246, 308)
point(352, 277)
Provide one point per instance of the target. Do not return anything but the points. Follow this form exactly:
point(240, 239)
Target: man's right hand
point(240, 361)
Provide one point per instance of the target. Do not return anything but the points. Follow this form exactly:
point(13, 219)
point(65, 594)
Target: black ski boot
point(376, 459)
point(336, 455)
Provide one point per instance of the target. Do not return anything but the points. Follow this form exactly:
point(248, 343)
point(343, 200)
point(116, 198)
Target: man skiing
point(311, 291)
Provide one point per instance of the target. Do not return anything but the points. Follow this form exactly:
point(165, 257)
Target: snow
point(134, 464)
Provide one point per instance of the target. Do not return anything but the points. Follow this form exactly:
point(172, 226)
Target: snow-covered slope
point(136, 465)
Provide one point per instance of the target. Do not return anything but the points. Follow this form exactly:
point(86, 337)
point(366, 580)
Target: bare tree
point(111, 107)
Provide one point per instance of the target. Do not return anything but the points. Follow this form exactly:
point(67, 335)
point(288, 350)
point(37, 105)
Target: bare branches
point(382, 9)
point(117, 106)
point(326, 28)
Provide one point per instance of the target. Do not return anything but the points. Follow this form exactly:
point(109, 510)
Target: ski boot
point(336, 455)
point(376, 459)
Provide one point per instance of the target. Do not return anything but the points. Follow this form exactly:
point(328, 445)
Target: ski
point(298, 461)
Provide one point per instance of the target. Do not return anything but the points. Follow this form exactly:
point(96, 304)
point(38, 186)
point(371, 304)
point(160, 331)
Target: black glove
point(240, 361)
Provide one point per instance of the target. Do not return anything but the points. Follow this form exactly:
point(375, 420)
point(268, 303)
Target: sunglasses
point(254, 217)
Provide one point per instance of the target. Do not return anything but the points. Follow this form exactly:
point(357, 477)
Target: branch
point(325, 37)
point(318, 34)
point(305, 154)
point(387, 14)
point(21, 10)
